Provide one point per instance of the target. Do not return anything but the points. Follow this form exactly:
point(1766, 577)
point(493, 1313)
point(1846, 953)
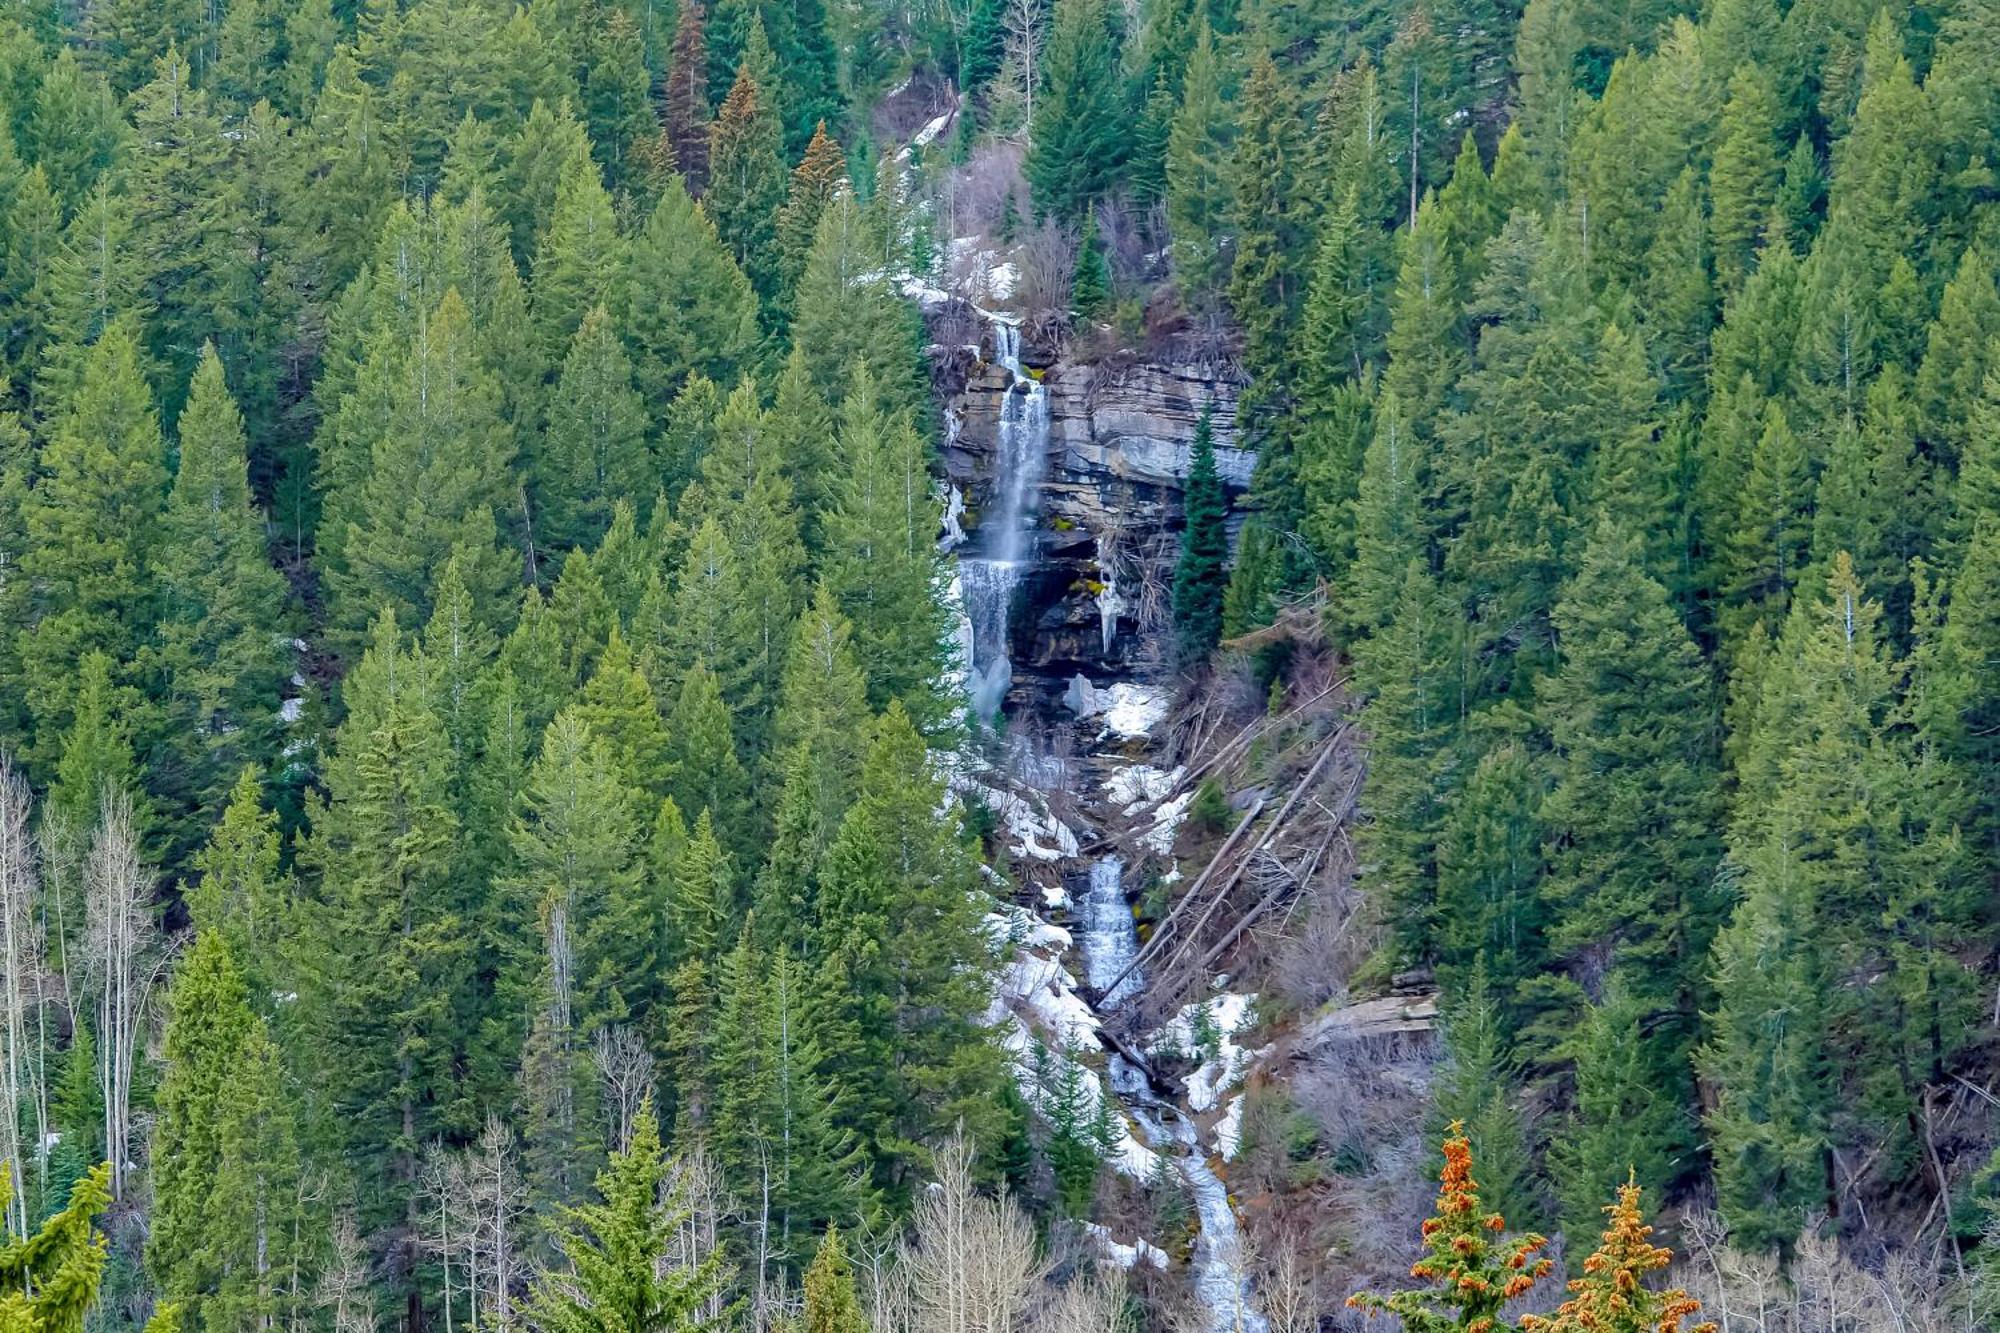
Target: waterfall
point(1004, 541)
point(1109, 939)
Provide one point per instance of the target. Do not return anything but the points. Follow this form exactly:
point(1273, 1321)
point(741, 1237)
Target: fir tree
point(687, 308)
point(189, 225)
point(579, 260)
point(1612, 1296)
point(242, 897)
point(1626, 1119)
point(815, 180)
point(746, 185)
point(1201, 573)
point(437, 477)
point(832, 1305)
point(1198, 200)
point(386, 954)
point(594, 449)
point(905, 1053)
point(1076, 145)
point(221, 1238)
point(93, 526)
point(687, 98)
point(1471, 1273)
point(1266, 282)
point(881, 562)
point(223, 656)
point(1635, 807)
point(621, 1253)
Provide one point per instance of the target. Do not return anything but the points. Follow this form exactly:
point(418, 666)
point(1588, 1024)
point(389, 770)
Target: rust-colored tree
point(1612, 1296)
point(1471, 1270)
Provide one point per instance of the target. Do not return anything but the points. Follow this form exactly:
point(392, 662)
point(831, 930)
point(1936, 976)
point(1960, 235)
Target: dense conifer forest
point(484, 836)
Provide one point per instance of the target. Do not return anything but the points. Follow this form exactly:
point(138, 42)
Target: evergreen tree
point(223, 657)
point(1626, 1119)
point(242, 897)
point(1077, 144)
point(1202, 571)
point(189, 224)
point(1476, 1093)
point(687, 308)
point(621, 1253)
point(1634, 811)
point(386, 954)
point(706, 773)
point(881, 563)
point(1198, 197)
point(687, 98)
point(594, 449)
point(52, 1277)
point(1743, 181)
point(1612, 1295)
point(579, 261)
point(1266, 281)
point(220, 1245)
point(815, 180)
point(93, 526)
point(1471, 1273)
point(746, 184)
point(905, 1052)
point(832, 1305)
point(438, 475)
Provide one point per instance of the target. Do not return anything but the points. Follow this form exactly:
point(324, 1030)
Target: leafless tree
point(700, 1199)
point(1020, 67)
point(117, 887)
point(1085, 1305)
point(972, 1264)
point(1291, 1291)
point(625, 1068)
point(344, 1290)
point(1048, 268)
point(21, 1084)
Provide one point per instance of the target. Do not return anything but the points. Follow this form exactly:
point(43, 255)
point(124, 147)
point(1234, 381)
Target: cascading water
point(1004, 541)
point(1109, 940)
point(991, 567)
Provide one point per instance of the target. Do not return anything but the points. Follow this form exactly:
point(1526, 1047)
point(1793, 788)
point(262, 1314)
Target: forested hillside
point(491, 827)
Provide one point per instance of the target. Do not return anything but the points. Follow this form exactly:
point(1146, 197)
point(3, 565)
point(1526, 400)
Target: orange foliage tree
point(1612, 1296)
point(1472, 1272)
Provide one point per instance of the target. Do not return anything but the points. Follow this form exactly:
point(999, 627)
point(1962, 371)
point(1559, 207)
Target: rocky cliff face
point(1108, 508)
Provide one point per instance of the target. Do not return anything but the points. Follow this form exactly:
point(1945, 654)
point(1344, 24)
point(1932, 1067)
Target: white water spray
point(1005, 538)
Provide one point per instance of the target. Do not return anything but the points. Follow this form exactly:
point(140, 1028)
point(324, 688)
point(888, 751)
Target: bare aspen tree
point(1291, 1292)
point(344, 1291)
point(696, 1188)
point(562, 1017)
point(21, 1083)
point(1086, 1305)
point(498, 1200)
point(972, 1264)
point(625, 1069)
point(1021, 59)
point(440, 1183)
point(117, 887)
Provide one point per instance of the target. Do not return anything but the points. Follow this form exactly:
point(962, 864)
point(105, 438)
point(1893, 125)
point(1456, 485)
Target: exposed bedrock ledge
point(1108, 511)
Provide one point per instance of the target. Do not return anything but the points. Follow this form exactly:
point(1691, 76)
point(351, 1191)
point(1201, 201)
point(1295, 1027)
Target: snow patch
point(1225, 1062)
point(1166, 825)
point(1120, 1255)
point(1037, 835)
point(1128, 709)
point(1229, 1129)
point(1141, 785)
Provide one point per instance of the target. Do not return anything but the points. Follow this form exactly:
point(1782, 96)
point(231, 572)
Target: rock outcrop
point(1108, 513)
